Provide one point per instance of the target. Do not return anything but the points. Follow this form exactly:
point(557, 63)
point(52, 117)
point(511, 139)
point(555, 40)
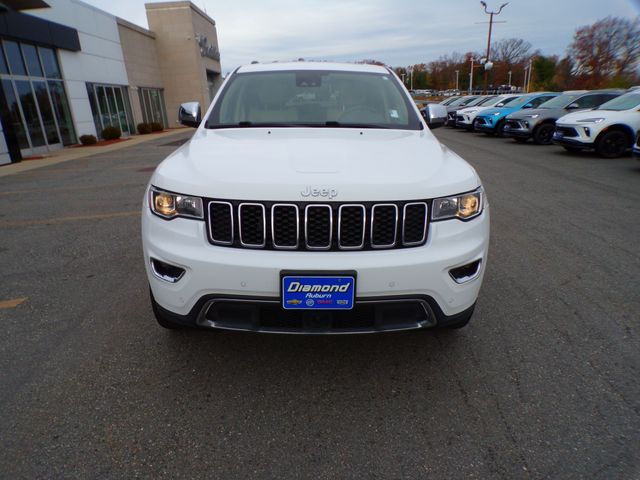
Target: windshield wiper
point(334, 124)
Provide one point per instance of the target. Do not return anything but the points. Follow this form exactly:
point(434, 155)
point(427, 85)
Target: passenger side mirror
point(189, 114)
point(435, 115)
point(573, 106)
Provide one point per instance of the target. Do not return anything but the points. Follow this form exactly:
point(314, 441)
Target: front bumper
point(516, 129)
point(575, 136)
point(418, 274)
point(484, 124)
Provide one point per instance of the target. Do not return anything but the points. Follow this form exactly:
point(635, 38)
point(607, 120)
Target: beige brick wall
point(141, 61)
point(176, 25)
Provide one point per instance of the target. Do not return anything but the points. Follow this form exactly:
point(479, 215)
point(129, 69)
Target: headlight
point(464, 207)
point(591, 120)
point(496, 114)
point(170, 205)
point(534, 116)
point(471, 111)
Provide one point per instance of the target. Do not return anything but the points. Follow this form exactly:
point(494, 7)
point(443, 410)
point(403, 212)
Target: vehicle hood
point(279, 164)
point(574, 117)
point(503, 112)
point(543, 113)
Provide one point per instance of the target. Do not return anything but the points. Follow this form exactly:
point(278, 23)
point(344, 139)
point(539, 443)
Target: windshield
point(561, 101)
point(314, 98)
point(461, 101)
point(520, 101)
point(624, 102)
point(507, 101)
point(478, 101)
point(449, 101)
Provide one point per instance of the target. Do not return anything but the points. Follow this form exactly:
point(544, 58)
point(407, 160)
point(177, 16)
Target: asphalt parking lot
point(542, 384)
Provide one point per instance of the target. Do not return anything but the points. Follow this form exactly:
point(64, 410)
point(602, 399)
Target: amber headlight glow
point(464, 207)
point(170, 205)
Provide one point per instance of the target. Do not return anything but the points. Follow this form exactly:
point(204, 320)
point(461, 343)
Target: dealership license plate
point(318, 292)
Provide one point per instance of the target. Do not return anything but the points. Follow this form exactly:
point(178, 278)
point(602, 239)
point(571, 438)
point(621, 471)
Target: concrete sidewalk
point(71, 153)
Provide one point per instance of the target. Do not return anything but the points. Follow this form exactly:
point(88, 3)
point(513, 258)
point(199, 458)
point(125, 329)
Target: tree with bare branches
point(607, 49)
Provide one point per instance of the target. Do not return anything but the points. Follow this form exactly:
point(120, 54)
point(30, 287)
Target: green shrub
point(111, 133)
point(88, 139)
point(144, 128)
point(156, 127)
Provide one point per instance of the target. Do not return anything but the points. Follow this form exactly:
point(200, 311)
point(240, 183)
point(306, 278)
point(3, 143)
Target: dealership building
point(69, 69)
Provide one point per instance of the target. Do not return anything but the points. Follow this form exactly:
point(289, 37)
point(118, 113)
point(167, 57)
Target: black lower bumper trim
point(258, 314)
point(567, 142)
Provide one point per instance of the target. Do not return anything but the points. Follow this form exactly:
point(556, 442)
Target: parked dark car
point(540, 123)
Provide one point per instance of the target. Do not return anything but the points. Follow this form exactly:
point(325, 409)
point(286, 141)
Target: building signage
point(207, 50)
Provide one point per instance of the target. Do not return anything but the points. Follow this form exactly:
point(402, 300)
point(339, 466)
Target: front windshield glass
point(561, 101)
point(477, 101)
point(624, 102)
point(506, 101)
point(520, 101)
point(313, 98)
point(461, 101)
point(486, 101)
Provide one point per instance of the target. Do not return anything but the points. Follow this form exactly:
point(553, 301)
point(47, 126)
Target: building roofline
point(176, 5)
point(133, 26)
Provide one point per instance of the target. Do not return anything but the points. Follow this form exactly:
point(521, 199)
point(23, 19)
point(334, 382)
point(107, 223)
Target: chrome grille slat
point(299, 226)
point(222, 224)
point(274, 226)
point(311, 237)
point(375, 230)
point(255, 233)
point(342, 243)
point(406, 219)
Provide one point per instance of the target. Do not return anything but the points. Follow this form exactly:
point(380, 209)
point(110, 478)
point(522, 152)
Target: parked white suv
point(313, 198)
point(610, 129)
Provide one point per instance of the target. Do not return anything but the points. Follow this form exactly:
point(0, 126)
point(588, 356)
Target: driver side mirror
point(435, 115)
point(189, 114)
point(573, 106)
point(528, 105)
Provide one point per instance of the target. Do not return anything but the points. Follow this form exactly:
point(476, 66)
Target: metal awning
point(17, 5)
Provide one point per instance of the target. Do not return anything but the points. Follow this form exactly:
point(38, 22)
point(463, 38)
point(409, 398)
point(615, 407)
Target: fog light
point(587, 131)
point(466, 272)
point(164, 271)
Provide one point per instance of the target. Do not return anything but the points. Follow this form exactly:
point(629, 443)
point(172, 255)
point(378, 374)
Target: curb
point(68, 154)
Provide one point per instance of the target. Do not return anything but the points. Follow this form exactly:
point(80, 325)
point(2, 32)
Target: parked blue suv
point(492, 121)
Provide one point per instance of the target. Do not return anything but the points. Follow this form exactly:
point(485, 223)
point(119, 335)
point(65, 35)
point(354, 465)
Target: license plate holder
point(317, 290)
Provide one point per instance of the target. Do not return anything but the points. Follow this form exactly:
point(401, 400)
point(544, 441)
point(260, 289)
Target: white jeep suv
point(313, 198)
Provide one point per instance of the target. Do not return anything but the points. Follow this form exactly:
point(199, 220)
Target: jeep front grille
point(317, 226)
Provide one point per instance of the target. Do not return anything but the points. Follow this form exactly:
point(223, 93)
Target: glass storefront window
point(49, 62)
point(152, 105)
point(46, 112)
point(14, 57)
point(110, 106)
point(14, 114)
point(33, 62)
point(63, 112)
point(3, 63)
point(39, 108)
point(30, 112)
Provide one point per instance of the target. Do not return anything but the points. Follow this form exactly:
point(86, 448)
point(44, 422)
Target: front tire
point(543, 134)
point(500, 128)
point(612, 144)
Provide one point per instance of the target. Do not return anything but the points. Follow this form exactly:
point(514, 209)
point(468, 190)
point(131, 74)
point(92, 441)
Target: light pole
point(509, 78)
point(457, 75)
point(403, 75)
point(411, 73)
point(488, 64)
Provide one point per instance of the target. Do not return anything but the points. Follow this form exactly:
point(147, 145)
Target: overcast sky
point(397, 32)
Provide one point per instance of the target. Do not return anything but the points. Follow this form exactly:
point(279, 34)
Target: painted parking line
point(78, 218)
point(12, 303)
